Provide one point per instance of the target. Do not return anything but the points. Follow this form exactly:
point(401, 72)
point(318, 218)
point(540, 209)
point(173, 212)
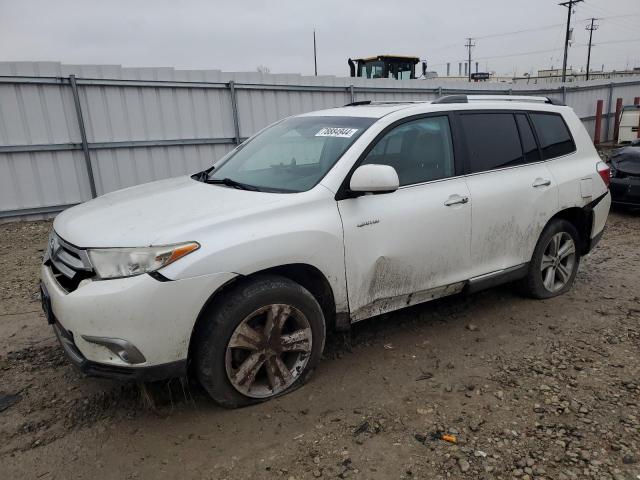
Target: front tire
point(555, 261)
point(262, 339)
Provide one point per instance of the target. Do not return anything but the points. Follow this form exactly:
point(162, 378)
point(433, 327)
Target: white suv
point(323, 219)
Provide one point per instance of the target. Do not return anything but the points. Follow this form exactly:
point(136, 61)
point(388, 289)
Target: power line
point(606, 11)
point(557, 44)
point(515, 32)
point(614, 19)
point(550, 50)
point(615, 23)
point(615, 16)
point(569, 6)
point(519, 54)
point(628, 40)
point(619, 20)
point(502, 34)
point(590, 28)
point(618, 23)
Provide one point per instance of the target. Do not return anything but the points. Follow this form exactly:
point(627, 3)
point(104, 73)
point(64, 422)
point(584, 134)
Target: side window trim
point(533, 132)
point(522, 154)
point(343, 191)
point(464, 144)
point(535, 136)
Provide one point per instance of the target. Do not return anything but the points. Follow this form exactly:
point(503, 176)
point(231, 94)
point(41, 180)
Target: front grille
point(69, 264)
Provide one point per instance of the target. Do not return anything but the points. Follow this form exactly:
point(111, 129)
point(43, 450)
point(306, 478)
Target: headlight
point(128, 262)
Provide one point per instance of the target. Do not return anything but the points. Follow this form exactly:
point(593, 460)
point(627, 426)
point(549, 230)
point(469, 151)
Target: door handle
point(541, 182)
point(456, 200)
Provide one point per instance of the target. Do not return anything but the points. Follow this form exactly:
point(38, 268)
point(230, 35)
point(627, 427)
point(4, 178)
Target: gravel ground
point(530, 389)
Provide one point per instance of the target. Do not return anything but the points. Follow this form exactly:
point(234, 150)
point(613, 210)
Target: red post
point(616, 121)
point(596, 136)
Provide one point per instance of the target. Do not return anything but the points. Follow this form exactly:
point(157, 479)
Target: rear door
point(513, 192)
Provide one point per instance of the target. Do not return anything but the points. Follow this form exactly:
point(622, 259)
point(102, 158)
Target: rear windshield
point(292, 155)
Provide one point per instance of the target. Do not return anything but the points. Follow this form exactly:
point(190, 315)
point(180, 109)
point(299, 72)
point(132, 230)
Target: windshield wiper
point(231, 183)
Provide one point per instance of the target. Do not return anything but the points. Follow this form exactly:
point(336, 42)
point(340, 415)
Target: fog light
point(126, 351)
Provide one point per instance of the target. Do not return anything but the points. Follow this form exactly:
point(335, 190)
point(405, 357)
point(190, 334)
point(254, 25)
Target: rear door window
point(492, 140)
point(553, 135)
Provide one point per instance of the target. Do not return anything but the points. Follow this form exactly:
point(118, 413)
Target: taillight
point(605, 172)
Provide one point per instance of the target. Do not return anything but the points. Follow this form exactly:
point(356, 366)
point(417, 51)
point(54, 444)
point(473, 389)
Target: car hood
point(157, 213)
point(626, 160)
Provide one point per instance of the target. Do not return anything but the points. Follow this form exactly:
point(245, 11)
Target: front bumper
point(156, 317)
point(625, 191)
point(138, 374)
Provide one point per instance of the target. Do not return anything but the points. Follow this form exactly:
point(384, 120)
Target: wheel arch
point(582, 220)
point(308, 276)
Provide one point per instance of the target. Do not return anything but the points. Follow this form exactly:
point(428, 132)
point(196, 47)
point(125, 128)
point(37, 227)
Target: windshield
point(400, 70)
point(385, 69)
point(371, 69)
point(292, 155)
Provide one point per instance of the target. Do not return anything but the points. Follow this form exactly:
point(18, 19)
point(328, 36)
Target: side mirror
point(374, 179)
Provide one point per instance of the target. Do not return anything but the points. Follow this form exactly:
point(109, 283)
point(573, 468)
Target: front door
point(411, 245)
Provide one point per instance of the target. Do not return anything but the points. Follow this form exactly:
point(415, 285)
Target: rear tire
point(555, 261)
point(260, 340)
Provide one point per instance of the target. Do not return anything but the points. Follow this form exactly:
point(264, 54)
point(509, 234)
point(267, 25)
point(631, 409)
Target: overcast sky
point(242, 34)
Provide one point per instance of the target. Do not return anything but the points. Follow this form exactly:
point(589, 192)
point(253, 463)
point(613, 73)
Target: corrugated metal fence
point(68, 133)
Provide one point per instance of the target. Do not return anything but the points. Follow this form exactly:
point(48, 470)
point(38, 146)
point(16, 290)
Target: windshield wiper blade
point(232, 183)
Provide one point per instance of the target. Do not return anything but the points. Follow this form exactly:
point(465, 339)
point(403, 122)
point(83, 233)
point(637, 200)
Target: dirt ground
point(532, 389)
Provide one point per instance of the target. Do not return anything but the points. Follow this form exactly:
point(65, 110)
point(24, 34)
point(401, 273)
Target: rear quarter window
point(553, 135)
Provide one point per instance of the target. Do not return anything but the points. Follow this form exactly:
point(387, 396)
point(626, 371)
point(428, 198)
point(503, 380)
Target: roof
point(453, 102)
point(381, 57)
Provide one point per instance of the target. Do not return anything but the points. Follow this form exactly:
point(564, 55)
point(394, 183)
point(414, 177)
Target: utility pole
point(469, 45)
point(591, 28)
point(315, 57)
point(569, 6)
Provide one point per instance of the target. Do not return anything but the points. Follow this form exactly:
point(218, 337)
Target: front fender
point(308, 233)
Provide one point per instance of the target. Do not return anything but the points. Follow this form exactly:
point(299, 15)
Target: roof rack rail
point(452, 99)
point(384, 102)
point(355, 104)
point(463, 98)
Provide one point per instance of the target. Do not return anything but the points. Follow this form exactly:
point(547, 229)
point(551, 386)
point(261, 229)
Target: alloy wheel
point(268, 350)
point(558, 261)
